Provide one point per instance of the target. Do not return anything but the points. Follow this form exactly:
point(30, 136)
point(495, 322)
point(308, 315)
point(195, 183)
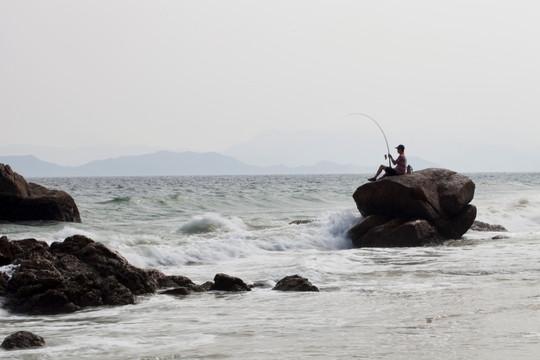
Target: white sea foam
point(516, 213)
point(9, 270)
point(211, 238)
point(68, 231)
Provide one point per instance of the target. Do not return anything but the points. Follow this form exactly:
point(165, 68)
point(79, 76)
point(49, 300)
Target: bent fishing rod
point(379, 126)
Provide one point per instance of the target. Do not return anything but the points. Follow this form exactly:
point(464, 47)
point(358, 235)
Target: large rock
point(71, 275)
point(22, 201)
point(425, 207)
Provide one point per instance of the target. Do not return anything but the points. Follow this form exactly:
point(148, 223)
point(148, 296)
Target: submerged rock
point(295, 283)
point(22, 201)
point(22, 340)
point(177, 291)
point(181, 285)
point(425, 207)
point(482, 226)
point(301, 222)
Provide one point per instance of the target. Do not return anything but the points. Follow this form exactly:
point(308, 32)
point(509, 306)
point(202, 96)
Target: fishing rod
point(379, 126)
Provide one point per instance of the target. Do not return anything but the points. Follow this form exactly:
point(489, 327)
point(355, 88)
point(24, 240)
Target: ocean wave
point(117, 200)
point(68, 231)
point(517, 214)
point(210, 238)
point(211, 222)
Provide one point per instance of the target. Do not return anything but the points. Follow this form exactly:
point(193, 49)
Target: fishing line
point(379, 126)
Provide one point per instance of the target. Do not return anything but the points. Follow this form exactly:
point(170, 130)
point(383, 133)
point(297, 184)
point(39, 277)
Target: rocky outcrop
point(71, 275)
point(22, 340)
point(67, 276)
point(295, 283)
point(425, 207)
point(22, 201)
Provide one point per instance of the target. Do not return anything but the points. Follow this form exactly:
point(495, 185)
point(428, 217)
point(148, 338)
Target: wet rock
point(177, 291)
point(207, 286)
point(400, 233)
point(260, 285)
point(22, 340)
point(5, 251)
point(181, 285)
point(224, 282)
point(295, 283)
point(427, 194)
point(4, 278)
point(482, 226)
point(22, 201)
point(425, 207)
point(300, 222)
point(70, 275)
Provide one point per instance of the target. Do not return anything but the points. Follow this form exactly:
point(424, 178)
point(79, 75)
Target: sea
point(477, 297)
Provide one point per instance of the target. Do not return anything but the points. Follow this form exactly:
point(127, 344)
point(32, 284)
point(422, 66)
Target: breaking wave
point(211, 222)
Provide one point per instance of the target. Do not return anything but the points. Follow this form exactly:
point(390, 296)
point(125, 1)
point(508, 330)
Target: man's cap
point(400, 147)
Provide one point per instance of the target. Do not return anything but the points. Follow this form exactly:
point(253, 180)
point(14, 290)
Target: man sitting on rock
point(401, 163)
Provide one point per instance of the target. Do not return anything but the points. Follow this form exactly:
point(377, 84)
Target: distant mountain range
point(271, 152)
point(177, 163)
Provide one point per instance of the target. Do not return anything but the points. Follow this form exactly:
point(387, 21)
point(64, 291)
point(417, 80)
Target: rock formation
point(69, 276)
point(22, 201)
point(425, 207)
point(77, 273)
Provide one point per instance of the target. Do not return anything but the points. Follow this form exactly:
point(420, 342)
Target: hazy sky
point(204, 75)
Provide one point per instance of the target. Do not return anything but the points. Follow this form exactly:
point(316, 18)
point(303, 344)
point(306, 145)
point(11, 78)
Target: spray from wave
point(211, 237)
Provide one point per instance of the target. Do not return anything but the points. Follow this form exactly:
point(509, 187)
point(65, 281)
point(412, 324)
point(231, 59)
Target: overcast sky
point(205, 75)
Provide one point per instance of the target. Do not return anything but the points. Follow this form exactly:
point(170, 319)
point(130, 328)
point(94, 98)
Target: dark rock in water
point(22, 340)
point(453, 227)
point(5, 251)
point(427, 194)
point(364, 226)
point(207, 286)
point(260, 285)
point(224, 282)
point(177, 291)
point(181, 286)
point(400, 233)
point(3, 283)
point(70, 275)
point(482, 226)
point(22, 201)
point(295, 283)
point(300, 222)
point(425, 207)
